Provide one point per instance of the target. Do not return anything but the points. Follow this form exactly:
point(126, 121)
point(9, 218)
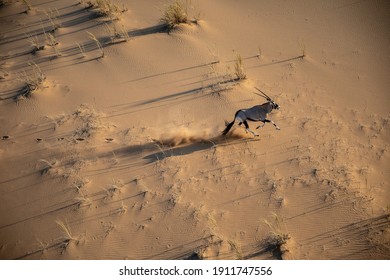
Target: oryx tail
point(228, 127)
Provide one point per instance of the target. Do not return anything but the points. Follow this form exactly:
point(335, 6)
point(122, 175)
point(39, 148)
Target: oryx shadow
point(169, 148)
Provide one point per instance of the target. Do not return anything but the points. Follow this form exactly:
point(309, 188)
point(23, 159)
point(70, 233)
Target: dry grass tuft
point(276, 241)
point(121, 210)
point(3, 72)
point(175, 14)
point(98, 44)
point(236, 248)
point(239, 69)
point(83, 201)
point(4, 2)
point(90, 121)
point(68, 236)
point(80, 183)
point(44, 166)
point(35, 43)
point(52, 16)
point(117, 33)
point(112, 189)
point(106, 8)
point(52, 42)
point(28, 4)
point(33, 81)
point(43, 247)
point(82, 49)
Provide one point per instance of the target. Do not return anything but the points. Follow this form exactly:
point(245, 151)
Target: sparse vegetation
point(98, 44)
point(236, 249)
point(81, 48)
point(116, 185)
point(52, 41)
point(90, 122)
point(28, 4)
point(274, 243)
point(44, 166)
point(162, 153)
point(239, 69)
point(43, 247)
point(3, 2)
point(3, 72)
point(259, 53)
point(52, 17)
point(108, 228)
point(220, 81)
point(303, 52)
point(303, 47)
point(83, 200)
point(35, 43)
point(57, 50)
point(68, 236)
point(121, 210)
point(106, 8)
point(113, 188)
point(117, 34)
point(79, 184)
point(33, 81)
point(176, 13)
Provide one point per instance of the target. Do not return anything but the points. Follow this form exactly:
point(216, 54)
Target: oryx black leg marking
point(248, 129)
point(277, 127)
point(260, 126)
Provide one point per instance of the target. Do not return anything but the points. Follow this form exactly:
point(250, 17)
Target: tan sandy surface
point(118, 153)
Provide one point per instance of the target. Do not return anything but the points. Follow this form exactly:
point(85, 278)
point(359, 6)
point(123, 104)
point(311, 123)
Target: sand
point(111, 143)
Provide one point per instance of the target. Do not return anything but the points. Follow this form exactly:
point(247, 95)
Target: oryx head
point(269, 99)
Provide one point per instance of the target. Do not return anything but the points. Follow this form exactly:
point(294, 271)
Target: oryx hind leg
point(260, 126)
point(248, 129)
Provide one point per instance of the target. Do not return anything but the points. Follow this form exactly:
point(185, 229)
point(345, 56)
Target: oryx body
point(256, 113)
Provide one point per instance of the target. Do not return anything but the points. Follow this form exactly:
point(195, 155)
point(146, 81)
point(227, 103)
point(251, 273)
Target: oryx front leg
point(277, 127)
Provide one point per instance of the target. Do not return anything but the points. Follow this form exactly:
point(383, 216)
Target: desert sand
point(111, 143)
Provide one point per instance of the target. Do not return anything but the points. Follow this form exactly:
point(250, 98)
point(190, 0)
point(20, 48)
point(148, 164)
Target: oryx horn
point(264, 94)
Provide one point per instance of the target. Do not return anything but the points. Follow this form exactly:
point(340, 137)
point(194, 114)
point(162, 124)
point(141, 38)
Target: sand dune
point(110, 127)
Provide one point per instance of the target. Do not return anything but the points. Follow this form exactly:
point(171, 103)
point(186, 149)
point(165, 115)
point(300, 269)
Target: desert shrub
point(175, 14)
point(239, 69)
point(105, 8)
point(33, 81)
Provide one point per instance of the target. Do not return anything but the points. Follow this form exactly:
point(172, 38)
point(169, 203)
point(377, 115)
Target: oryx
point(257, 113)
